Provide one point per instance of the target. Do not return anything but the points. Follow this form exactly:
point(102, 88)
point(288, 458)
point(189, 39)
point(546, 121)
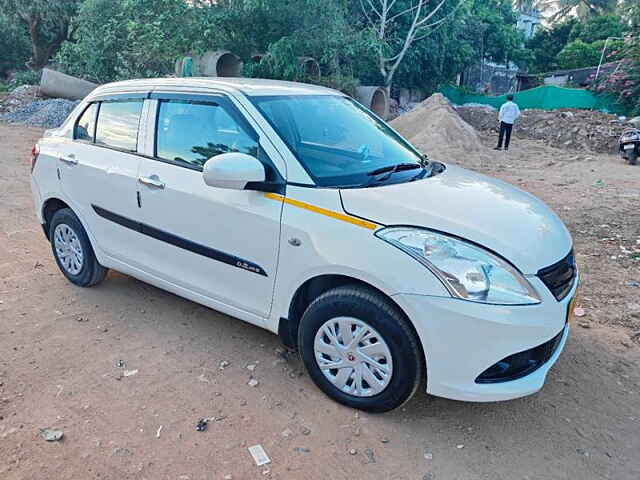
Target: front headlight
point(468, 271)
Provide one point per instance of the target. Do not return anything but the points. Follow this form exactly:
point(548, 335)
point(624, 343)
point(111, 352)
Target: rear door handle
point(69, 159)
point(152, 181)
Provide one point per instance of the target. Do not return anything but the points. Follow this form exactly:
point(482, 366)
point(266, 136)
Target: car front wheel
point(360, 350)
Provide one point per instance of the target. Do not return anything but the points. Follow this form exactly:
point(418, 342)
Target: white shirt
point(509, 112)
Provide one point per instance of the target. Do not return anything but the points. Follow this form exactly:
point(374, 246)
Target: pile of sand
point(434, 126)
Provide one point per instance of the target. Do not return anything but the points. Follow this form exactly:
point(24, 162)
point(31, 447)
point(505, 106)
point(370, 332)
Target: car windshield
point(338, 142)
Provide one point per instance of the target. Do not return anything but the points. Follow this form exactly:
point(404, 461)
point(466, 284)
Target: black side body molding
point(180, 242)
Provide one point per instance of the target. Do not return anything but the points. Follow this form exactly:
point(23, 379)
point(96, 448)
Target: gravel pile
point(41, 113)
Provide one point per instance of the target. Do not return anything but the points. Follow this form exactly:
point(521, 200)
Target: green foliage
point(576, 44)
point(597, 28)
point(546, 44)
point(492, 25)
point(14, 45)
point(578, 54)
point(119, 39)
point(25, 77)
point(47, 23)
point(625, 81)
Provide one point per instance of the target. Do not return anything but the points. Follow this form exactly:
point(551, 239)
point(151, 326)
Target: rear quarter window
point(118, 124)
point(85, 128)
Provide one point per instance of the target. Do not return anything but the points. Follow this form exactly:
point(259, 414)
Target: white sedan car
point(294, 208)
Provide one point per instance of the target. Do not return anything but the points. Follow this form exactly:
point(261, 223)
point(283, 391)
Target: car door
point(216, 242)
point(99, 172)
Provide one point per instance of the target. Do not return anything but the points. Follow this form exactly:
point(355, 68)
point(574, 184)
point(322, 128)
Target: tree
point(547, 43)
point(121, 39)
point(14, 45)
point(47, 22)
point(578, 54)
point(562, 9)
point(386, 18)
point(624, 83)
point(597, 28)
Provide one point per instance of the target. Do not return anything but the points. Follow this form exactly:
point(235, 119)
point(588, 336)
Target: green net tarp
point(547, 97)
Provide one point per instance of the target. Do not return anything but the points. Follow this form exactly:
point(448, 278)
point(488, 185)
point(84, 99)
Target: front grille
point(559, 277)
point(521, 364)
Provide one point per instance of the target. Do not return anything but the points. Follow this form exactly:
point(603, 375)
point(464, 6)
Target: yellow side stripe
point(322, 211)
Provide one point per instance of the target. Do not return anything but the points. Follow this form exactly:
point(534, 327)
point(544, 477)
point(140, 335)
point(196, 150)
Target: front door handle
point(69, 159)
point(152, 181)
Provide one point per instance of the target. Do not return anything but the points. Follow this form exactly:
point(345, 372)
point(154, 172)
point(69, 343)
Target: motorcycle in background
point(630, 145)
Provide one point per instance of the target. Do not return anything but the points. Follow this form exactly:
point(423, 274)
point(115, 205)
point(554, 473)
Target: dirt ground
point(60, 346)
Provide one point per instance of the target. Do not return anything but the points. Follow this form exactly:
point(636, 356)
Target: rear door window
point(118, 124)
point(190, 133)
point(86, 126)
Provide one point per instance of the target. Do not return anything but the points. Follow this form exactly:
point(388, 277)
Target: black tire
point(633, 157)
point(91, 273)
point(367, 305)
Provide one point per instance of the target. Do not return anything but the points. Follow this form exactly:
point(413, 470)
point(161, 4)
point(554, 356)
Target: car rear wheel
point(72, 250)
point(633, 157)
point(360, 350)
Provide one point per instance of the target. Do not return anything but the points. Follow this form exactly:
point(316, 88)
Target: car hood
point(484, 210)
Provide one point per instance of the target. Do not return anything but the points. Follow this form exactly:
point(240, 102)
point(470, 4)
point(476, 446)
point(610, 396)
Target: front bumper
point(462, 339)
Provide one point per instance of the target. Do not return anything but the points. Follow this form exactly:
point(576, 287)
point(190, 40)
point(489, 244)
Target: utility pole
point(604, 48)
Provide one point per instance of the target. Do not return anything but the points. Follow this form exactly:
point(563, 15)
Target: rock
point(384, 440)
point(353, 451)
point(582, 452)
point(460, 447)
point(51, 435)
point(251, 367)
point(305, 431)
point(223, 364)
point(253, 382)
point(370, 455)
point(122, 452)
point(286, 433)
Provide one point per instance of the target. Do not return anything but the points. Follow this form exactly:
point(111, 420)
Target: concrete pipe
point(310, 67)
point(178, 70)
point(375, 99)
point(58, 85)
point(220, 63)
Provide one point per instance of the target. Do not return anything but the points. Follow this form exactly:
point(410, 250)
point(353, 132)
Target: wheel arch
point(49, 208)
point(311, 289)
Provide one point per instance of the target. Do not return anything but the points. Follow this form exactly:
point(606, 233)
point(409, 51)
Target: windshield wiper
point(389, 170)
point(394, 168)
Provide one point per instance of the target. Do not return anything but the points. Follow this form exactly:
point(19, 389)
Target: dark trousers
point(505, 128)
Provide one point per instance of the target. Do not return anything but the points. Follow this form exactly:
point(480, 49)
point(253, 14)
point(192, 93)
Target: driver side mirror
point(235, 171)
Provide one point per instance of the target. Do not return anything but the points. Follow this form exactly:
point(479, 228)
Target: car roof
point(247, 86)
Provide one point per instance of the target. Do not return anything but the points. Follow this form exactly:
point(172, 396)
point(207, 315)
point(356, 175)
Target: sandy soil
point(60, 346)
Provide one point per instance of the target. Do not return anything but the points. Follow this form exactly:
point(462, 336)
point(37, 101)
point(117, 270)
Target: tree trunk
point(42, 51)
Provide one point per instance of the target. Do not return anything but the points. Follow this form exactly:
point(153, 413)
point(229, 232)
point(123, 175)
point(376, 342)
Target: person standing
point(509, 112)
